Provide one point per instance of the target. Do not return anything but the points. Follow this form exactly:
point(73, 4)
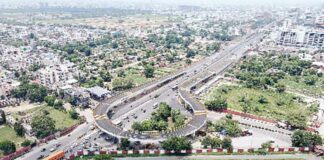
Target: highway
point(65, 142)
point(138, 105)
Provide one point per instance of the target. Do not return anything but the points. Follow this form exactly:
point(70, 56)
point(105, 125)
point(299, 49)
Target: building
point(79, 96)
point(319, 22)
point(98, 93)
point(54, 76)
point(301, 38)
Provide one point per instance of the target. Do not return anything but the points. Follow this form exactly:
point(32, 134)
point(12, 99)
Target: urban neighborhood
point(148, 79)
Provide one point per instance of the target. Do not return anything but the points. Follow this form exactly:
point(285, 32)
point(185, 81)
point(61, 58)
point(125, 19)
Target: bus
point(56, 156)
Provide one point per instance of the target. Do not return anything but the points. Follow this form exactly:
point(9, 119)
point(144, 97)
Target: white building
point(54, 76)
point(301, 37)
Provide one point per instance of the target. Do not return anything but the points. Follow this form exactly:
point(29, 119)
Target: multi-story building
point(301, 38)
point(319, 22)
point(54, 76)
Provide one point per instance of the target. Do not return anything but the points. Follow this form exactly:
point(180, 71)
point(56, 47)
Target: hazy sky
point(104, 3)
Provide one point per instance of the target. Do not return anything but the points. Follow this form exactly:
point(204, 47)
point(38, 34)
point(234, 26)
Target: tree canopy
point(7, 147)
point(42, 125)
point(176, 144)
point(301, 138)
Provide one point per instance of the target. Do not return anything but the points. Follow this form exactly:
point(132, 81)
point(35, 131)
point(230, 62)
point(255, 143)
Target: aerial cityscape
point(160, 80)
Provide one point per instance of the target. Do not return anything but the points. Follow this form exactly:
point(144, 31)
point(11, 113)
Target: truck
point(59, 155)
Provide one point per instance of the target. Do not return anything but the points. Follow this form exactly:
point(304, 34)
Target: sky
point(109, 3)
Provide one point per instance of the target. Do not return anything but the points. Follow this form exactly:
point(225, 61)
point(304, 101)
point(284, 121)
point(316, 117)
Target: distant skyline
point(149, 3)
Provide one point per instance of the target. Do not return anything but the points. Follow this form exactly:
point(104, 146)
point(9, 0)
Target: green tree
point(42, 125)
point(310, 80)
point(176, 144)
point(211, 142)
point(266, 145)
point(106, 76)
point(297, 119)
point(50, 100)
point(122, 83)
point(227, 143)
point(26, 143)
point(3, 116)
point(137, 126)
point(58, 104)
point(19, 129)
point(149, 71)
point(124, 143)
point(301, 138)
point(216, 104)
point(36, 93)
point(74, 114)
point(161, 125)
point(7, 147)
point(231, 127)
point(280, 88)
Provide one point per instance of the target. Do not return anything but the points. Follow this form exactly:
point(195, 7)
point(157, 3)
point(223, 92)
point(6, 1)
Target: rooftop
point(98, 91)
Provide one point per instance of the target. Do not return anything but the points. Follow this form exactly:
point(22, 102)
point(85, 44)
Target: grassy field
point(277, 105)
point(295, 83)
point(136, 76)
point(8, 133)
point(62, 119)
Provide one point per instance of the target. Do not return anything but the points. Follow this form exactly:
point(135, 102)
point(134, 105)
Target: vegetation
point(226, 126)
point(149, 71)
point(122, 83)
point(159, 119)
point(124, 144)
point(301, 138)
point(26, 143)
point(264, 103)
point(33, 92)
point(227, 143)
point(74, 114)
point(8, 133)
point(43, 125)
point(266, 145)
point(19, 129)
point(7, 147)
point(281, 72)
point(214, 142)
point(176, 144)
point(3, 116)
point(216, 104)
point(103, 157)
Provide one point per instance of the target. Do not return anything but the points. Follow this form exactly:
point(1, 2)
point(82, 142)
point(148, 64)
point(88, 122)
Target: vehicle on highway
point(175, 87)
point(40, 157)
point(155, 105)
point(52, 149)
point(56, 156)
point(43, 150)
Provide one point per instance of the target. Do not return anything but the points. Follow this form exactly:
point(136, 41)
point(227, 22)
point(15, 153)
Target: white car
point(52, 149)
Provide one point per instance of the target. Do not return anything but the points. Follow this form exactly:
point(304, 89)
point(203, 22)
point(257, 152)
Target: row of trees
point(33, 92)
point(260, 72)
point(226, 126)
point(216, 142)
point(160, 118)
point(301, 138)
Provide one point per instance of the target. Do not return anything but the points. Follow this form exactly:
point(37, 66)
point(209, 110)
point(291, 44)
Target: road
point(231, 157)
point(124, 114)
point(259, 136)
point(65, 141)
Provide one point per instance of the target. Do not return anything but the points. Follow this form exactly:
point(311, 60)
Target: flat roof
point(98, 91)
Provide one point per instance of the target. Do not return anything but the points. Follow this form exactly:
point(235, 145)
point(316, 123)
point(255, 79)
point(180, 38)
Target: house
point(79, 96)
point(98, 93)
